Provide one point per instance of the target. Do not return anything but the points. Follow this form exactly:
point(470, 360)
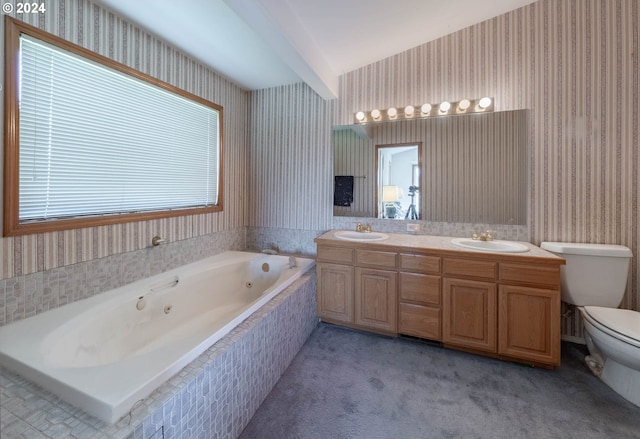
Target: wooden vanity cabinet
point(510, 310)
point(358, 288)
point(497, 305)
point(529, 312)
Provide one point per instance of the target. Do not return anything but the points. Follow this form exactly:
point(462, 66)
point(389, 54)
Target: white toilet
point(594, 278)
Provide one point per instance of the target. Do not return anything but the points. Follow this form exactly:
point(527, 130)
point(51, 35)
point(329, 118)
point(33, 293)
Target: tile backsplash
point(24, 296)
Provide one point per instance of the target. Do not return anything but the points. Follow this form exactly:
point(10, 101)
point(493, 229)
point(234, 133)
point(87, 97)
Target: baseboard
point(573, 339)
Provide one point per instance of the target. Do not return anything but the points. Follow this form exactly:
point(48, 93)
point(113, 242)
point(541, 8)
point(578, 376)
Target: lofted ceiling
point(267, 43)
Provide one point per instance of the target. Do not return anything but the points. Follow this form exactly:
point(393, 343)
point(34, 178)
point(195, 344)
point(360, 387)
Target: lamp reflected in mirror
point(391, 196)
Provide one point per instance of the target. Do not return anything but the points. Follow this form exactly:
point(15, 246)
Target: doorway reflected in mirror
point(398, 175)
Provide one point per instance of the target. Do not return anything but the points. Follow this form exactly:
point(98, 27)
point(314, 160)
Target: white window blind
point(94, 141)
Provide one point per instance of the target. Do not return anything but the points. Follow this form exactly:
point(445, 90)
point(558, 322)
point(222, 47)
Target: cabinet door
point(529, 322)
point(469, 314)
point(335, 292)
point(376, 299)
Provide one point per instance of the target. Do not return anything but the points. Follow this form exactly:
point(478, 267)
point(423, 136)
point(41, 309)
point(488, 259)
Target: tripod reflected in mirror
point(411, 212)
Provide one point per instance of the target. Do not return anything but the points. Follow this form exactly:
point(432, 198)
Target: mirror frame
point(377, 170)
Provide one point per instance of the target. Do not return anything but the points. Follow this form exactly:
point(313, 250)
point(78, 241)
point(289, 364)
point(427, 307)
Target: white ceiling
point(266, 43)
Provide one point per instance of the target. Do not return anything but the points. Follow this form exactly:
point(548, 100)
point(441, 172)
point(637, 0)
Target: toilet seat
point(623, 324)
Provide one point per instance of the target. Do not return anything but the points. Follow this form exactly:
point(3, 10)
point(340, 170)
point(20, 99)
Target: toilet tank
point(594, 274)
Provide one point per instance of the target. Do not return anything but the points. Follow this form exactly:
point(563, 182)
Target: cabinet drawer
point(420, 263)
point(335, 254)
point(543, 275)
point(420, 321)
point(471, 268)
point(369, 258)
point(420, 288)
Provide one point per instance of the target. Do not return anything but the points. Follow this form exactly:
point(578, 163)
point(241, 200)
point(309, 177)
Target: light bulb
point(375, 114)
point(408, 110)
point(360, 116)
point(425, 109)
point(464, 104)
point(484, 102)
point(445, 106)
point(392, 112)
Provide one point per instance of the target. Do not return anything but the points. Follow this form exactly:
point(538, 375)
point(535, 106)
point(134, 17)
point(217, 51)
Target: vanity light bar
point(464, 106)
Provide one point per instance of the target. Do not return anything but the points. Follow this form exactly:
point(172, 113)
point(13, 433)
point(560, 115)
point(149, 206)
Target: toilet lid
point(622, 321)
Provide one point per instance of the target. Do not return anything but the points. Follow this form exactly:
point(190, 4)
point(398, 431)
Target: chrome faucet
point(292, 262)
point(483, 236)
point(157, 240)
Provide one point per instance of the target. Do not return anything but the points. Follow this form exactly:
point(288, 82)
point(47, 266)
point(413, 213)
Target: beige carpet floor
point(346, 384)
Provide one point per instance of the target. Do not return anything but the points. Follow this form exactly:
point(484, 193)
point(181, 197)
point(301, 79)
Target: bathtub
point(105, 353)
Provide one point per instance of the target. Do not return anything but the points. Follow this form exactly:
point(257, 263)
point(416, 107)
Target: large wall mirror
point(468, 169)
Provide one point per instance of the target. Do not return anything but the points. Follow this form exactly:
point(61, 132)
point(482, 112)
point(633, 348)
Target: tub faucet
point(292, 262)
point(156, 241)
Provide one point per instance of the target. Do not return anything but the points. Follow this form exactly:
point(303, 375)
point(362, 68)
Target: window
point(90, 142)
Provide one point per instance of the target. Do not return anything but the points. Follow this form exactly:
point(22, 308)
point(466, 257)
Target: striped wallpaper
point(290, 159)
point(474, 166)
point(97, 29)
point(573, 63)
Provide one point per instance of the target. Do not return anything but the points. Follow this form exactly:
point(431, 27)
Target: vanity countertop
point(441, 245)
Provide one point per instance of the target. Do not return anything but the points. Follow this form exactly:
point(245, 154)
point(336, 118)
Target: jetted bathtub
point(105, 353)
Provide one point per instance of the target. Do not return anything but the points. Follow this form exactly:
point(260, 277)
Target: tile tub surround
point(213, 397)
point(284, 241)
point(31, 294)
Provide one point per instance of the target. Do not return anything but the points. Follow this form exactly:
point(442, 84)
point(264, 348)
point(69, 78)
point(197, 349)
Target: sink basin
point(350, 235)
point(490, 246)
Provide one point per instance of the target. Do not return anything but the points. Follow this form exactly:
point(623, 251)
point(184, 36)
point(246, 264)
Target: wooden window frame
point(11, 222)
